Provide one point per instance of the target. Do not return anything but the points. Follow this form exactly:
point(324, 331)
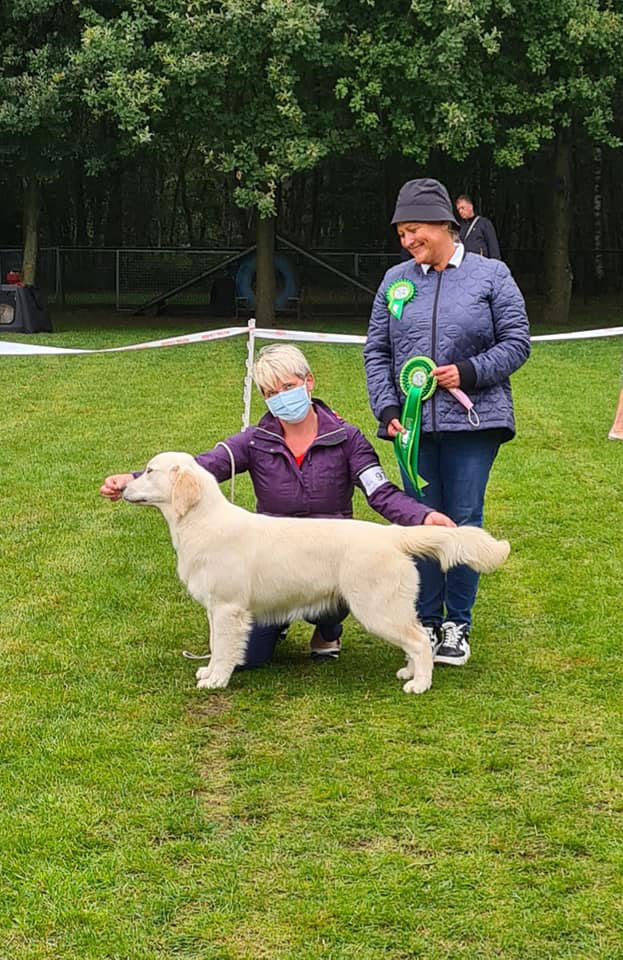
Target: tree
point(267, 94)
point(514, 76)
point(40, 103)
point(33, 107)
point(562, 67)
point(45, 124)
point(250, 82)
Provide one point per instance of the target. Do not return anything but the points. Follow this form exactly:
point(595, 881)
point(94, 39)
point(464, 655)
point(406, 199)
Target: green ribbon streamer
point(399, 293)
point(418, 384)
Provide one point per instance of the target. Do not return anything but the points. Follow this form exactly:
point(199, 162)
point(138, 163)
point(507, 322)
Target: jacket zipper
point(321, 436)
point(434, 345)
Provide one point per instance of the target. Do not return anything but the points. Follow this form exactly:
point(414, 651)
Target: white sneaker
point(454, 647)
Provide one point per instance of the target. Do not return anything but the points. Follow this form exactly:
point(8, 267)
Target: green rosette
point(397, 294)
point(418, 384)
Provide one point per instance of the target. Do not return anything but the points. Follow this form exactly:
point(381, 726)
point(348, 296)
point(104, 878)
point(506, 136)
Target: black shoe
point(454, 647)
point(330, 652)
point(434, 635)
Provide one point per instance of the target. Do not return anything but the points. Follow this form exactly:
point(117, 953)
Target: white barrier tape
point(582, 334)
point(269, 333)
point(9, 348)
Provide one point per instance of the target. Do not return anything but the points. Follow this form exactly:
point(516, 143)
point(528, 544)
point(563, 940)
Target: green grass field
point(305, 813)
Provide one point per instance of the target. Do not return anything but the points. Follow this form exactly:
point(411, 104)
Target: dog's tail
point(453, 545)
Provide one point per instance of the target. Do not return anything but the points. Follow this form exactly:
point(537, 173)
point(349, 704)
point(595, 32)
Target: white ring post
point(248, 379)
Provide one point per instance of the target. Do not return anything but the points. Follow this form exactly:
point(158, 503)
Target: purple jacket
point(339, 459)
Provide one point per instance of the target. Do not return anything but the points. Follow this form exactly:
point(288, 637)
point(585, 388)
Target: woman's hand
point(394, 427)
point(436, 519)
point(113, 486)
point(448, 376)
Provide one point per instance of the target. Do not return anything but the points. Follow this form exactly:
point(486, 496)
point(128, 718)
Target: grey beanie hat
point(423, 201)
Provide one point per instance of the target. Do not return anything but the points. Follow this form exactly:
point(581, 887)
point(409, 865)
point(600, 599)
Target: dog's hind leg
point(419, 669)
point(228, 640)
point(397, 624)
point(385, 605)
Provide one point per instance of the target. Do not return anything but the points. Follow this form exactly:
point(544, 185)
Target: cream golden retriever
point(243, 566)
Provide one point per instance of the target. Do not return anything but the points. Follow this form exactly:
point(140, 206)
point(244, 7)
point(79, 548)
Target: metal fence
point(127, 278)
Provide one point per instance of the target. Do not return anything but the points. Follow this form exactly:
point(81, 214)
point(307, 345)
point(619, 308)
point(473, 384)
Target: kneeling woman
point(304, 461)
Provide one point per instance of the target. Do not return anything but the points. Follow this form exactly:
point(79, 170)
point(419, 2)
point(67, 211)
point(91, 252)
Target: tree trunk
point(186, 207)
point(556, 267)
point(80, 224)
point(597, 229)
point(265, 272)
point(98, 208)
point(32, 208)
point(113, 231)
point(158, 180)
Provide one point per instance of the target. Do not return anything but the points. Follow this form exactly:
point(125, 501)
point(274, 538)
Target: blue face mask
point(291, 406)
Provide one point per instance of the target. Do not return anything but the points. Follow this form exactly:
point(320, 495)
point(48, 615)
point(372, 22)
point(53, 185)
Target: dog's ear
point(185, 492)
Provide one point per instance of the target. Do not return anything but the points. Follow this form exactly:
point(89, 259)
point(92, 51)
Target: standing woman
point(616, 430)
point(467, 314)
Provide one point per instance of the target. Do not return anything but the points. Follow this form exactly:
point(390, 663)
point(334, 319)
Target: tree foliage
point(463, 73)
point(249, 82)
point(262, 92)
point(270, 88)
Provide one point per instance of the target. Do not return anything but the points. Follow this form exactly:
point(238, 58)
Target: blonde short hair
point(277, 363)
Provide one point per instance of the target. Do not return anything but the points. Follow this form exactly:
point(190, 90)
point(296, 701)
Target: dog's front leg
point(228, 639)
point(203, 672)
point(406, 672)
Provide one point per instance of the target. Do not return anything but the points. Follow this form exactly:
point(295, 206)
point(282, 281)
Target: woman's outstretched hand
point(113, 486)
point(436, 519)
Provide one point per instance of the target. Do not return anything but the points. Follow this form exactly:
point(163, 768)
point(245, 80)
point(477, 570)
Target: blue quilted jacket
point(472, 315)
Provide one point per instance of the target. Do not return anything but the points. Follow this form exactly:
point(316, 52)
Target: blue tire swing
point(287, 286)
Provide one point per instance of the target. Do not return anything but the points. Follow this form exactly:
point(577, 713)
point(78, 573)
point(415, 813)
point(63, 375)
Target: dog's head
point(169, 480)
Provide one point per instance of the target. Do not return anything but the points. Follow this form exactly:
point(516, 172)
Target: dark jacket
point(472, 315)
point(482, 238)
point(339, 459)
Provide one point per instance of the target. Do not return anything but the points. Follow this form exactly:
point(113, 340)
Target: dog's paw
point(418, 684)
point(203, 673)
point(216, 681)
point(405, 673)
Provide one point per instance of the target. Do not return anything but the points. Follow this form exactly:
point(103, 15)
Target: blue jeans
point(457, 467)
point(264, 639)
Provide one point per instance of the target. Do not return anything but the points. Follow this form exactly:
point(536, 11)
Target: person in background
point(477, 234)
point(304, 461)
point(466, 313)
point(616, 430)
